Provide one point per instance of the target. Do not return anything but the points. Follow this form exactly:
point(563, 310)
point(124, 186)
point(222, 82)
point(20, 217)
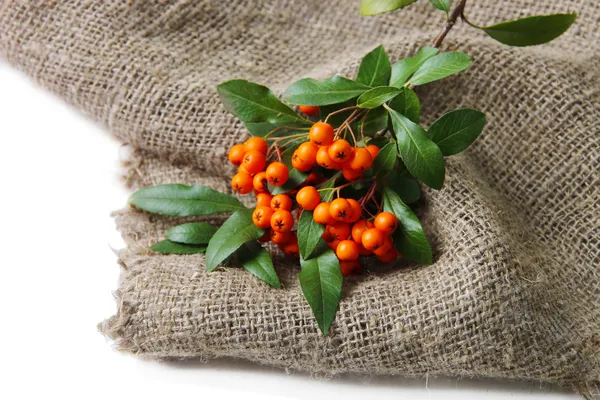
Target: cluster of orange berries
point(346, 232)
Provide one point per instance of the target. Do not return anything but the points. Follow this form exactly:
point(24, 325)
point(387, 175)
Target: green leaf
point(257, 261)
point(295, 179)
point(288, 153)
point(375, 121)
point(422, 157)
point(309, 234)
point(236, 231)
point(531, 31)
point(337, 119)
point(327, 195)
point(191, 233)
point(407, 188)
point(402, 69)
point(442, 5)
point(374, 7)
point(169, 247)
point(311, 92)
point(453, 132)
point(263, 128)
point(376, 97)
point(321, 282)
point(409, 238)
point(407, 103)
point(183, 201)
point(251, 102)
point(375, 68)
point(380, 141)
point(385, 160)
point(440, 66)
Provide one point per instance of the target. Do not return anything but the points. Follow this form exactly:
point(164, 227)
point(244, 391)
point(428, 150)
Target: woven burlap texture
point(514, 291)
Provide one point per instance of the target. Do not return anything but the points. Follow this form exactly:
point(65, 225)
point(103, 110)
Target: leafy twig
point(454, 15)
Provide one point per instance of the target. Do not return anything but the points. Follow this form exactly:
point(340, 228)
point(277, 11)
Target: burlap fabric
point(514, 291)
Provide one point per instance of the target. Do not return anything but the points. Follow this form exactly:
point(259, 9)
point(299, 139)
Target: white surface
point(60, 181)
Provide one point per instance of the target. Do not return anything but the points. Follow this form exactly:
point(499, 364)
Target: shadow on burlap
point(514, 291)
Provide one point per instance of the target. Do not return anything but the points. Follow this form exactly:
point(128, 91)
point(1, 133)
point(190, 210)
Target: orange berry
point(386, 222)
point(299, 163)
point(351, 175)
point(347, 250)
point(308, 152)
point(245, 171)
point(333, 244)
point(359, 228)
point(281, 202)
point(260, 182)
point(388, 244)
point(313, 179)
point(349, 267)
point(254, 161)
point(356, 210)
point(241, 183)
point(291, 249)
point(280, 237)
point(374, 150)
point(257, 144)
point(388, 257)
point(361, 159)
point(340, 210)
point(282, 221)
point(373, 239)
point(236, 154)
point(321, 214)
point(309, 110)
point(321, 134)
point(324, 160)
point(308, 198)
point(326, 236)
point(263, 199)
point(339, 230)
point(265, 237)
point(277, 173)
point(340, 151)
point(262, 216)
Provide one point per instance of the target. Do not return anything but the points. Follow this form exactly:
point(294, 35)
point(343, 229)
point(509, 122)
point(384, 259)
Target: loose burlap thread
point(514, 291)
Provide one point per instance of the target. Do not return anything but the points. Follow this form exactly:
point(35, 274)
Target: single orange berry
point(373, 239)
point(313, 179)
point(351, 175)
point(291, 249)
point(359, 228)
point(321, 214)
point(373, 149)
point(308, 152)
point(263, 199)
point(361, 159)
point(309, 110)
point(324, 160)
point(281, 202)
point(280, 237)
point(245, 171)
point(308, 198)
point(241, 183)
point(262, 216)
point(388, 244)
point(386, 222)
point(349, 267)
point(236, 154)
point(334, 244)
point(299, 163)
point(340, 151)
point(321, 134)
point(257, 144)
point(282, 221)
point(277, 173)
point(339, 230)
point(254, 161)
point(260, 182)
point(326, 236)
point(340, 210)
point(388, 257)
point(347, 250)
point(356, 210)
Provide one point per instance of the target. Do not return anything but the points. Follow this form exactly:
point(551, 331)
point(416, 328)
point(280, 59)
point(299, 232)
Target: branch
point(457, 12)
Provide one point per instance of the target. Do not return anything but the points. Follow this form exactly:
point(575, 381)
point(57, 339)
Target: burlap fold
point(514, 291)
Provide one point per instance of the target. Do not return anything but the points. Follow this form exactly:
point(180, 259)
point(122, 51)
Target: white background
point(60, 181)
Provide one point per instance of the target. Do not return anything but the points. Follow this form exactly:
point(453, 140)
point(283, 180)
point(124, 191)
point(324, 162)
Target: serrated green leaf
point(236, 231)
point(456, 130)
point(295, 179)
point(374, 7)
point(375, 68)
point(183, 201)
point(375, 121)
point(169, 247)
point(311, 92)
point(407, 103)
point(385, 160)
point(309, 234)
point(257, 261)
point(403, 69)
point(251, 102)
point(442, 5)
point(191, 233)
point(531, 31)
point(409, 238)
point(377, 96)
point(422, 157)
point(440, 66)
point(406, 187)
point(321, 282)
